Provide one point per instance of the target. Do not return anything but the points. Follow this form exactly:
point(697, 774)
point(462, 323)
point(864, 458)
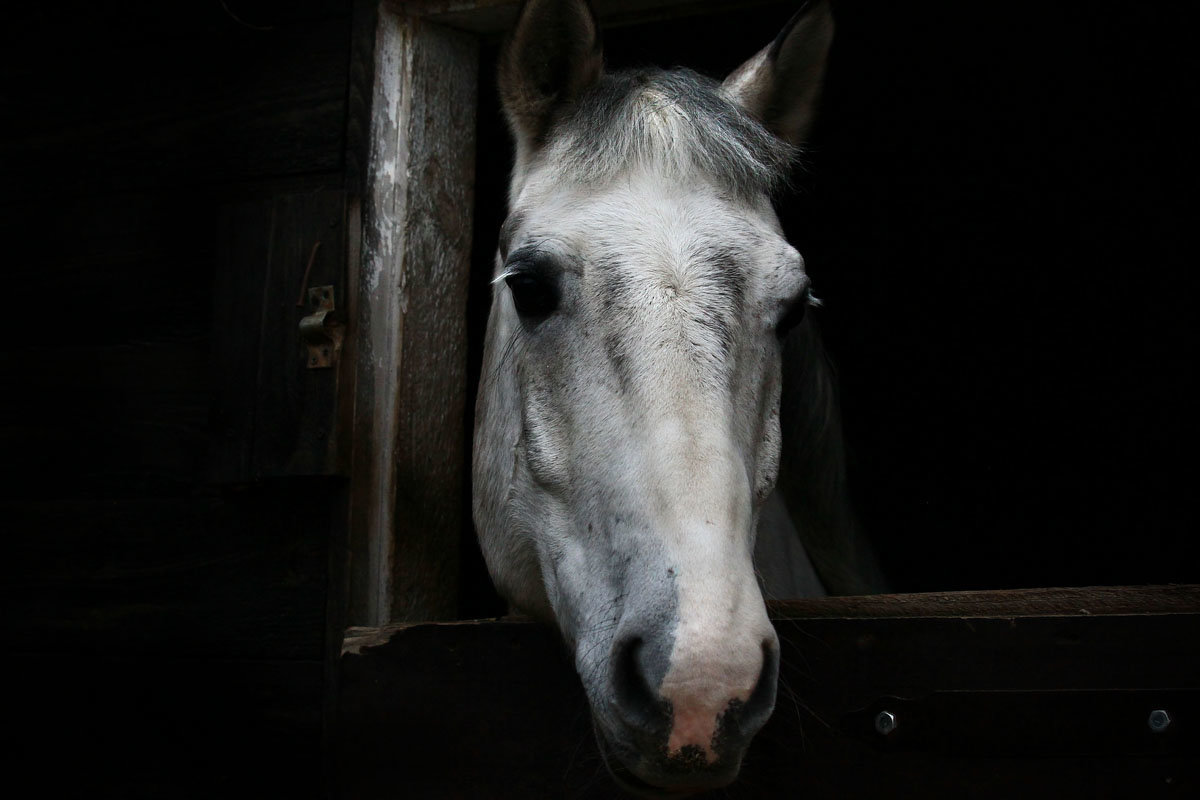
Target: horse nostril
point(754, 713)
point(637, 703)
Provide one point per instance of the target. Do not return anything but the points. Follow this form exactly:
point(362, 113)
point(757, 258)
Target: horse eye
point(793, 316)
point(534, 295)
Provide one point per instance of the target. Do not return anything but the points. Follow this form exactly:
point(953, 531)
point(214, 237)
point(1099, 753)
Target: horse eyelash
point(516, 266)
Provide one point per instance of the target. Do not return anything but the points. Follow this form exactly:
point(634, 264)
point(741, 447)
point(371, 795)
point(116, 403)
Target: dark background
point(992, 207)
point(166, 574)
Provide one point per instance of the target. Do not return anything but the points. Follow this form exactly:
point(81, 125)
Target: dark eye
point(793, 316)
point(535, 295)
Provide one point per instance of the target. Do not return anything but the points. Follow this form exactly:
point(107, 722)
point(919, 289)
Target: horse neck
point(812, 475)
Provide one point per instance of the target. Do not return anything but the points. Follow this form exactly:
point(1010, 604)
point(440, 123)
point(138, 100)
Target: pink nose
point(720, 696)
point(695, 726)
point(696, 721)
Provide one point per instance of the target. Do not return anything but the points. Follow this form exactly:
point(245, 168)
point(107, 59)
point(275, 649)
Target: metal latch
point(321, 335)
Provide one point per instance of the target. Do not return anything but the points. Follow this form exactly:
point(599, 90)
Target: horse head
point(627, 433)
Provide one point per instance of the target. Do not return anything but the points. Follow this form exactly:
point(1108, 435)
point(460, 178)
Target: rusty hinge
point(320, 333)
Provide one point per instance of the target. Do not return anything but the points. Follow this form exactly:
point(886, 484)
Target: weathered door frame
point(411, 173)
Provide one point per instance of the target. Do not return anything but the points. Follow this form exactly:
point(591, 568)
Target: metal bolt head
point(1159, 720)
point(885, 722)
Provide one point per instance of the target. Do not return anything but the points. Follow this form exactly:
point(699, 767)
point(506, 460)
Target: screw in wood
point(1159, 720)
point(885, 722)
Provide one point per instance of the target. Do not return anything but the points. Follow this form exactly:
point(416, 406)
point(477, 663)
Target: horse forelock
point(672, 121)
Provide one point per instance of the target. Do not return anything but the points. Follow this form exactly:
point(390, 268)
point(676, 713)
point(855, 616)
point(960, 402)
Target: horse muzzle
point(690, 732)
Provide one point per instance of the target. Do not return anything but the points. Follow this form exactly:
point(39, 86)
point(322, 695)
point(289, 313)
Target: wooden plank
point(375, 346)
point(408, 463)
point(497, 16)
point(431, 447)
point(991, 705)
point(1007, 603)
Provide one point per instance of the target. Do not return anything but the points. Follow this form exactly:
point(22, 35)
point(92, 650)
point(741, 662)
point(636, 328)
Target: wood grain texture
point(1082, 601)
point(497, 16)
point(410, 342)
point(430, 448)
point(989, 705)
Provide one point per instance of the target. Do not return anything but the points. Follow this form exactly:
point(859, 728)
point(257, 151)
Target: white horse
point(630, 433)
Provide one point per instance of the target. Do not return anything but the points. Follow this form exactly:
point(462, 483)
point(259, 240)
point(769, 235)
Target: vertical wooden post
point(416, 202)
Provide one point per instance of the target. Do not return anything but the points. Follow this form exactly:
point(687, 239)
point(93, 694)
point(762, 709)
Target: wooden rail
point(496, 16)
point(994, 694)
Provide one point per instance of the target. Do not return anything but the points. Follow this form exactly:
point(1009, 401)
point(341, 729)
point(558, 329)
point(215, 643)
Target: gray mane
point(675, 120)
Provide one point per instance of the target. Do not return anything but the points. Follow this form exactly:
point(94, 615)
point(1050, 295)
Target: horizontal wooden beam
point(496, 16)
point(1004, 604)
point(995, 694)
point(1085, 601)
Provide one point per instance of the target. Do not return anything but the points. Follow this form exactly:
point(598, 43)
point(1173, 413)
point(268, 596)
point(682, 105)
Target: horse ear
point(551, 56)
point(780, 85)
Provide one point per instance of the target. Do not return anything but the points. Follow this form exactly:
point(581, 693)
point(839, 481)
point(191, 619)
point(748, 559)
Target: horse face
point(638, 330)
point(627, 429)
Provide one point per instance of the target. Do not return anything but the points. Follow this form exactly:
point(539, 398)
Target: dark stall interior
point(166, 169)
point(991, 208)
